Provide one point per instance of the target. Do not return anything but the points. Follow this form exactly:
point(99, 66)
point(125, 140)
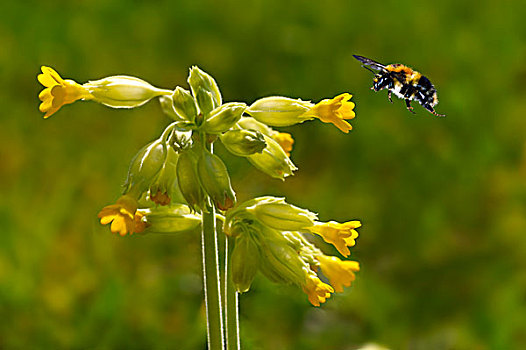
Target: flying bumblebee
point(404, 82)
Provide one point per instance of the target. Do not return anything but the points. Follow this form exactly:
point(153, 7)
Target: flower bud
point(171, 219)
point(205, 102)
point(188, 180)
point(213, 176)
point(201, 80)
point(244, 262)
point(273, 161)
point(280, 215)
point(145, 166)
point(280, 111)
point(243, 142)
point(223, 117)
point(123, 91)
point(184, 104)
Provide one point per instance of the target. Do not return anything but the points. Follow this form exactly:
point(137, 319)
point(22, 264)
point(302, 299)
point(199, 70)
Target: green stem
point(214, 317)
point(231, 305)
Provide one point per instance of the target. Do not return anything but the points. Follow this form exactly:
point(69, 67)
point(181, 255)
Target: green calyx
point(188, 181)
point(243, 142)
point(214, 178)
point(223, 117)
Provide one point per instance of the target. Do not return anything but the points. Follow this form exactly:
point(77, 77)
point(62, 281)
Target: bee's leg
point(432, 110)
point(389, 96)
point(409, 107)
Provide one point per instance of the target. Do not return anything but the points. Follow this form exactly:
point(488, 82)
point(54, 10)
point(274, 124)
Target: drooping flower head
point(335, 111)
point(58, 92)
point(267, 232)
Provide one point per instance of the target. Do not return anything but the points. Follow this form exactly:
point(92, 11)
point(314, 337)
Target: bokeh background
point(442, 200)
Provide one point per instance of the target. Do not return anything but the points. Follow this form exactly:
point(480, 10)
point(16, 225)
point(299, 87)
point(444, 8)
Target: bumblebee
point(404, 82)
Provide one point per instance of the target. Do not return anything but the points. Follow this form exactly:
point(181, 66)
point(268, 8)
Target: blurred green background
point(442, 200)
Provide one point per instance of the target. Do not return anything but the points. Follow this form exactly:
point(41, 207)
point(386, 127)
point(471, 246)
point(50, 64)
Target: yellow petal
point(341, 236)
point(339, 272)
point(285, 140)
point(45, 106)
point(45, 94)
point(122, 216)
point(58, 92)
point(317, 291)
point(118, 225)
point(107, 219)
point(340, 124)
point(50, 112)
point(335, 111)
point(49, 77)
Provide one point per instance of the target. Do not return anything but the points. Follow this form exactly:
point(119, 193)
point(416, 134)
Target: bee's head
point(380, 81)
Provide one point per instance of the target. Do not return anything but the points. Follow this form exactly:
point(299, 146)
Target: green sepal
point(188, 181)
point(213, 176)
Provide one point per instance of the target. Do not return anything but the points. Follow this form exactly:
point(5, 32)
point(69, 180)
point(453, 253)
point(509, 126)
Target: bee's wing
point(369, 62)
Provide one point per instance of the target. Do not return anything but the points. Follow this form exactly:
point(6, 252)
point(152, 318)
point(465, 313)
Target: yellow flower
point(123, 216)
point(341, 236)
point(285, 140)
point(339, 272)
point(316, 290)
point(58, 92)
point(334, 111)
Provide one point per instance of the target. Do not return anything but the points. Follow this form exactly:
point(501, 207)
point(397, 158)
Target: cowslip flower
point(341, 235)
point(317, 291)
point(285, 140)
point(58, 92)
point(339, 272)
point(118, 91)
point(123, 216)
point(335, 111)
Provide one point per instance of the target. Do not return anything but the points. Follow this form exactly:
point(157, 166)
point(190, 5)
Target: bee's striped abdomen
point(426, 92)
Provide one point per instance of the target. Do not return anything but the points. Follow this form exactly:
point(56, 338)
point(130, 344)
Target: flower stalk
point(214, 315)
point(233, 341)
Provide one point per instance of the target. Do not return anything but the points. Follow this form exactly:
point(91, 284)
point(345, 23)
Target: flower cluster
point(173, 180)
point(268, 237)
